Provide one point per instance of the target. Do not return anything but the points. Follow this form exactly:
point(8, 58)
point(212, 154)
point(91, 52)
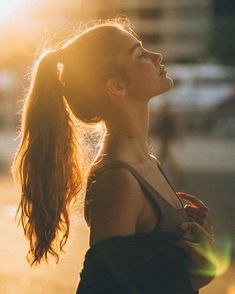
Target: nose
point(156, 57)
point(160, 57)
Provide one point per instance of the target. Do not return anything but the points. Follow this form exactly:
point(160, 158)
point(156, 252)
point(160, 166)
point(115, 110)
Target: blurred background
point(192, 127)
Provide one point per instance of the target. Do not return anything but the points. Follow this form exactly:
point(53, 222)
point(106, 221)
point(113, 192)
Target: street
point(208, 165)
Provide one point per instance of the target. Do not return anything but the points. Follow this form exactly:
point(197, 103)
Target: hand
point(201, 254)
point(195, 238)
point(197, 211)
point(198, 241)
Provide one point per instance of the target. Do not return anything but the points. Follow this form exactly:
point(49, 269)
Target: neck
point(127, 136)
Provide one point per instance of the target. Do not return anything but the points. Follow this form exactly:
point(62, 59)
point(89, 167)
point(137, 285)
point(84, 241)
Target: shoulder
point(118, 203)
point(117, 176)
point(116, 185)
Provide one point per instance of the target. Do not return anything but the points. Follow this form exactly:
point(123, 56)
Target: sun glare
point(7, 8)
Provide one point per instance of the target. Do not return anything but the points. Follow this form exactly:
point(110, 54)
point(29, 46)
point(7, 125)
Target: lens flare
point(224, 257)
point(218, 263)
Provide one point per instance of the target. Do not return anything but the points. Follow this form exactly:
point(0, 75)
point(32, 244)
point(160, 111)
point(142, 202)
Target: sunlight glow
point(6, 9)
point(231, 290)
point(223, 257)
point(221, 261)
point(8, 211)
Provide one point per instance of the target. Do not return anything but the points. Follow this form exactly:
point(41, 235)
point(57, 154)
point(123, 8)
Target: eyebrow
point(136, 45)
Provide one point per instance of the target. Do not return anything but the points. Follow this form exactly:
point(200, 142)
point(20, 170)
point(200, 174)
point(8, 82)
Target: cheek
point(149, 78)
point(150, 83)
point(145, 75)
point(144, 79)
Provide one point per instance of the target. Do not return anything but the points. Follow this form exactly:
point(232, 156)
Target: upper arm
point(117, 206)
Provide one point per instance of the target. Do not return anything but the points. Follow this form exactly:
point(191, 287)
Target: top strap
point(143, 182)
point(120, 163)
point(113, 164)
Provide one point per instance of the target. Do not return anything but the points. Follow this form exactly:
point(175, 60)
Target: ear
point(115, 86)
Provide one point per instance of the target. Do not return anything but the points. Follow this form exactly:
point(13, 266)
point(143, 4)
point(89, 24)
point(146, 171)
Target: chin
point(169, 82)
point(165, 86)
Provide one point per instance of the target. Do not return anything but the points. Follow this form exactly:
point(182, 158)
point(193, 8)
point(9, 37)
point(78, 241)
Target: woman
point(133, 212)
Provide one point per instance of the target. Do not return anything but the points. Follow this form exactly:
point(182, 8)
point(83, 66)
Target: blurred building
point(223, 45)
point(181, 29)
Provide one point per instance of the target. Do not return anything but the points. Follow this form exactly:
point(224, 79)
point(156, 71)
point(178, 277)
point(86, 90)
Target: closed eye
point(143, 53)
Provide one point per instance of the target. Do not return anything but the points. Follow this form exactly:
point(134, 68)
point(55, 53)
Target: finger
point(192, 199)
point(198, 220)
point(203, 222)
point(200, 216)
point(187, 226)
point(187, 244)
point(195, 228)
point(198, 212)
point(192, 226)
point(190, 233)
point(195, 210)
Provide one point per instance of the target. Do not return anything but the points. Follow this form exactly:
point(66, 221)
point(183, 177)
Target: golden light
point(231, 290)
point(7, 8)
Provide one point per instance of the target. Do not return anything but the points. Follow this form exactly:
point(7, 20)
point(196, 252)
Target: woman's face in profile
point(147, 77)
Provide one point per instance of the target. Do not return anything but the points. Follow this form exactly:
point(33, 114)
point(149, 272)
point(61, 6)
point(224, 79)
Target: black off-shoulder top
point(146, 263)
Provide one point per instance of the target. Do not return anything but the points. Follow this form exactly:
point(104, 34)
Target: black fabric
point(143, 263)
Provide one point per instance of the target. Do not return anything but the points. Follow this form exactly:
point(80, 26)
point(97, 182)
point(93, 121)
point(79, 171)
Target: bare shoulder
point(117, 206)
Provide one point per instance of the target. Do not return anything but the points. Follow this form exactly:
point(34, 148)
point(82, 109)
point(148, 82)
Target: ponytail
point(46, 163)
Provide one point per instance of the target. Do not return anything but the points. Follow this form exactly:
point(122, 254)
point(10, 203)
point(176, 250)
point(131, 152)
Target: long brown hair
point(48, 162)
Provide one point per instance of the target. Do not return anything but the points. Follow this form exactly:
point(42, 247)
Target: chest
point(158, 183)
point(168, 204)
